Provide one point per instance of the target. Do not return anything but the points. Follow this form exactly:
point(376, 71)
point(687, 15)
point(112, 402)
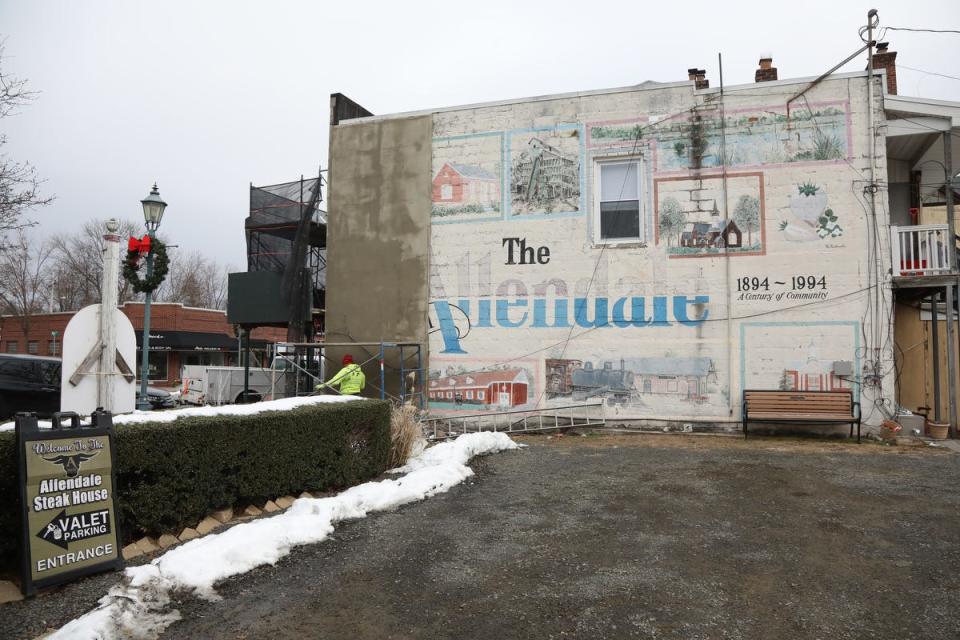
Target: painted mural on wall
point(755, 136)
point(617, 133)
point(545, 172)
point(810, 218)
point(646, 382)
point(690, 221)
point(473, 387)
point(798, 356)
point(528, 310)
point(467, 178)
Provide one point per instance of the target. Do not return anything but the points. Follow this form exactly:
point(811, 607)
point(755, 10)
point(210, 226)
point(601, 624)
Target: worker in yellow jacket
point(350, 379)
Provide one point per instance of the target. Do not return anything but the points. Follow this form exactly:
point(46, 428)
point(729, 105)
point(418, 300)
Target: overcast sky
point(207, 97)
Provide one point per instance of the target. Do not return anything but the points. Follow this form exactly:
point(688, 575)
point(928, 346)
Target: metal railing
point(920, 250)
point(517, 421)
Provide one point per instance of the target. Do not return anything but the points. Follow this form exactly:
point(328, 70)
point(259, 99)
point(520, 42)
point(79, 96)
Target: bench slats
point(787, 415)
point(800, 406)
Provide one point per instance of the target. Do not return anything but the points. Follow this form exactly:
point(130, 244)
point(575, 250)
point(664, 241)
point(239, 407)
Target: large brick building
point(179, 336)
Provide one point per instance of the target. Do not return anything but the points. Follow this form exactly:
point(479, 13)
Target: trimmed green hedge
point(170, 475)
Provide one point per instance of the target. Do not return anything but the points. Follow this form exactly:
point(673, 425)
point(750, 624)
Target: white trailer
point(224, 385)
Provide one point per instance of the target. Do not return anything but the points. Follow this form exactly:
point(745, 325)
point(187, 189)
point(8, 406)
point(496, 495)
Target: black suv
point(32, 383)
point(29, 383)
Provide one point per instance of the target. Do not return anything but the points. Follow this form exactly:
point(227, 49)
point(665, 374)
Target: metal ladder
point(517, 421)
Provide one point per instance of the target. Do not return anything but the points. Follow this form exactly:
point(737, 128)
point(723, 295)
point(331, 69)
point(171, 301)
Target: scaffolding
point(280, 215)
point(311, 366)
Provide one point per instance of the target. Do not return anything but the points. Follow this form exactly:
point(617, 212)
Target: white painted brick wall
point(762, 341)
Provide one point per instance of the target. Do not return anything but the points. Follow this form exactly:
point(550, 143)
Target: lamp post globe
point(153, 208)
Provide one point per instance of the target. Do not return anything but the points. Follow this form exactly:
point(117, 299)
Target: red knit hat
point(347, 359)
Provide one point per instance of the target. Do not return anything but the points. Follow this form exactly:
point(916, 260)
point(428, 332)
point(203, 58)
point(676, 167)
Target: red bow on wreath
point(140, 245)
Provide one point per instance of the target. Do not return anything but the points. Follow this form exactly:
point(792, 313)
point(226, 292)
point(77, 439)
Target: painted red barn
point(504, 388)
point(457, 183)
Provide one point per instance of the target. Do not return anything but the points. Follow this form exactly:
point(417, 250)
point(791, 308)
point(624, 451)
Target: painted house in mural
point(544, 173)
point(506, 388)
point(458, 184)
point(717, 234)
point(662, 247)
point(683, 378)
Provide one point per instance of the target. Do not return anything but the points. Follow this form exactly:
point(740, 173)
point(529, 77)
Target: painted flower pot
point(796, 232)
point(808, 208)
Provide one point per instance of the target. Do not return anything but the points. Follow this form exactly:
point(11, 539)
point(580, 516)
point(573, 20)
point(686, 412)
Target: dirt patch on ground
point(736, 442)
point(625, 537)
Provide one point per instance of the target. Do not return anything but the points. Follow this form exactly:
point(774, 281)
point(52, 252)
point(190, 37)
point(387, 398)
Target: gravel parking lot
point(628, 537)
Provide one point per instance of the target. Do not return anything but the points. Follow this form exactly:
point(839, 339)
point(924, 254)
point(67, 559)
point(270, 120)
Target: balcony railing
point(920, 250)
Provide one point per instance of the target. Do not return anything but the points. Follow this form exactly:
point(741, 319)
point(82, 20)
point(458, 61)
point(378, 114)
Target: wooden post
point(108, 327)
point(951, 363)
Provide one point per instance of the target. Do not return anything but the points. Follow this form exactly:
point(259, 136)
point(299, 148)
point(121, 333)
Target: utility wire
point(929, 73)
point(921, 30)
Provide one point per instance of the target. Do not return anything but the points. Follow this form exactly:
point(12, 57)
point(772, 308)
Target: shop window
point(617, 211)
point(157, 366)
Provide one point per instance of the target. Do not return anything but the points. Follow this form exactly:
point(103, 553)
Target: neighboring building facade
point(179, 336)
point(701, 242)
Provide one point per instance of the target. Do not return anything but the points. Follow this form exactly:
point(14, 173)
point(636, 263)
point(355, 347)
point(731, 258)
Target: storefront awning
point(189, 341)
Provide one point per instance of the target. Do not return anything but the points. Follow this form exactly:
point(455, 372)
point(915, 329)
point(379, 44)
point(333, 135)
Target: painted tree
point(672, 219)
point(747, 216)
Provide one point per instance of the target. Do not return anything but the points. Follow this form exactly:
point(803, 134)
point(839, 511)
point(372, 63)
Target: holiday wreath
point(138, 248)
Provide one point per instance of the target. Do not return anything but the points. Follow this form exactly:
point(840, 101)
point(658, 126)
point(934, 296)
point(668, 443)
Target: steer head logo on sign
point(71, 464)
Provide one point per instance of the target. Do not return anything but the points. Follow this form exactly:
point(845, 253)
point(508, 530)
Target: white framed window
point(618, 201)
point(479, 395)
point(446, 192)
point(469, 395)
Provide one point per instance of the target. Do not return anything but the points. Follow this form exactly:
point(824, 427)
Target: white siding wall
point(794, 172)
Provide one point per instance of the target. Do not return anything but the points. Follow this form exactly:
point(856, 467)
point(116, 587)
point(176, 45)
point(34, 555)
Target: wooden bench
point(810, 407)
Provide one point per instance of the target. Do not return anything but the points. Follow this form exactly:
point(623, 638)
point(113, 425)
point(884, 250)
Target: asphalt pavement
point(622, 537)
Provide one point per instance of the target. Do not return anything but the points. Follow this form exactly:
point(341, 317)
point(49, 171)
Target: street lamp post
point(153, 207)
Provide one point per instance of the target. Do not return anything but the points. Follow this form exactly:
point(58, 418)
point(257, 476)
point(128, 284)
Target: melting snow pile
point(138, 606)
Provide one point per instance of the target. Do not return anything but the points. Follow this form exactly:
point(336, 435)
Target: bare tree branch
point(19, 183)
point(77, 267)
point(195, 281)
point(24, 279)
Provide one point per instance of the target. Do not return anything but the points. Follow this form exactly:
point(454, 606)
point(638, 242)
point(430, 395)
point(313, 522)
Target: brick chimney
point(884, 59)
point(699, 76)
point(767, 71)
